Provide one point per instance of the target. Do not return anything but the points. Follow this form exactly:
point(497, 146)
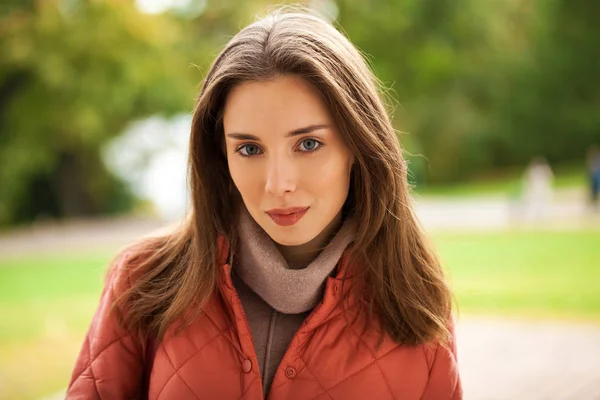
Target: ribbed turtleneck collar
point(261, 266)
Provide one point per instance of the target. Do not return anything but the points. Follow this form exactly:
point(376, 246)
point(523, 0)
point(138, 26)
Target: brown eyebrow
point(295, 132)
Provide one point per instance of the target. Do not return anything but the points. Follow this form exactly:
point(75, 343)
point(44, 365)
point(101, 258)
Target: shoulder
point(146, 252)
point(129, 266)
point(122, 270)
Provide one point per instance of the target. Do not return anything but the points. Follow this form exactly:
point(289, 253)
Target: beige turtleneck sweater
point(276, 298)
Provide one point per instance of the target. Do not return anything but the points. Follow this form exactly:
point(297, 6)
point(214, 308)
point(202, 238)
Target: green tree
point(428, 52)
point(552, 109)
point(73, 74)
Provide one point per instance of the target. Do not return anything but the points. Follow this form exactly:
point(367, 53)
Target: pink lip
point(287, 216)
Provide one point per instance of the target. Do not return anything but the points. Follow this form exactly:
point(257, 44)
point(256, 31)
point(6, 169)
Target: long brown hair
point(404, 282)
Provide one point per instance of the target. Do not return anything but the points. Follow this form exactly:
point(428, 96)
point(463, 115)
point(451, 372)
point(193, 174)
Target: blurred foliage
point(480, 85)
point(73, 74)
point(552, 104)
point(485, 84)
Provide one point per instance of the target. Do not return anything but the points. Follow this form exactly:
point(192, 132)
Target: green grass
point(506, 184)
point(525, 273)
point(38, 284)
point(46, 303)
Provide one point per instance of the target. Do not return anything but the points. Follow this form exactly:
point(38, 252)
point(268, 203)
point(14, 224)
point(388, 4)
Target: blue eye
point(248, 150)
point(310, 144)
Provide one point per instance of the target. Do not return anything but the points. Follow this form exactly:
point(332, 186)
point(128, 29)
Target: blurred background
point(496, 102)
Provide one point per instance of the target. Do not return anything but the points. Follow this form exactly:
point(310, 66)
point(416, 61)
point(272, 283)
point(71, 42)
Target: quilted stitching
point(86, 344)
point(115, 341)
point(235, 345)
point(176, 373)
point(177, 369)
point(325, 391)
point(354, 373)
point(376, 359)
point(90, 368)
point(92, 360)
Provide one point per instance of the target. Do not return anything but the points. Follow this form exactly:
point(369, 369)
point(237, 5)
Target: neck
point(261, 266)
point(299, 257)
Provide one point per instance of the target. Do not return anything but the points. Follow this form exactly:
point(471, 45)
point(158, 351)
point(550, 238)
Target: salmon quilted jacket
point(330, 357)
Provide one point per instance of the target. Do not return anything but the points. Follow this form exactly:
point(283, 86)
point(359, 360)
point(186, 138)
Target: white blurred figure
point(151, 155)
point(537, 189)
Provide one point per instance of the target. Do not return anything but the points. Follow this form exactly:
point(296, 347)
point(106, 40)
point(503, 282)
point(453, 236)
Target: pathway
point(504, 360)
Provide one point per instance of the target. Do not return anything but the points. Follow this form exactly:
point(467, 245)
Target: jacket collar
point(338, 295)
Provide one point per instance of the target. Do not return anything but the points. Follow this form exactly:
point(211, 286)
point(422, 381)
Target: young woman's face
point(286, 158)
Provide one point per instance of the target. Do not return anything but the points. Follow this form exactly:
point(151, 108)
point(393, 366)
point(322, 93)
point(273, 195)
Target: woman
point(301, 272)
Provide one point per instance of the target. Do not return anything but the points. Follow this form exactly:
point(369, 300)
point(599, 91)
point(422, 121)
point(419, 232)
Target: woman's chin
point(289, 237)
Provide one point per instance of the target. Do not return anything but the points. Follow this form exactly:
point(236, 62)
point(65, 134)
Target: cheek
point(244, 177)
point(329, 178)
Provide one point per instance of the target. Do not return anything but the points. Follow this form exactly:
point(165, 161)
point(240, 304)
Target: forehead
point(275, 106)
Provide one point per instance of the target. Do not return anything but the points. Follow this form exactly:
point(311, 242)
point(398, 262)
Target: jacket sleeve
point(110, 362)
point(444, 378)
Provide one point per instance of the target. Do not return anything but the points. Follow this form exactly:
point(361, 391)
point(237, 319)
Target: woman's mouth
point(287, 216)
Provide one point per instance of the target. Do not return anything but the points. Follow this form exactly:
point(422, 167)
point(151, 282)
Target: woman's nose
point(280, 177)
